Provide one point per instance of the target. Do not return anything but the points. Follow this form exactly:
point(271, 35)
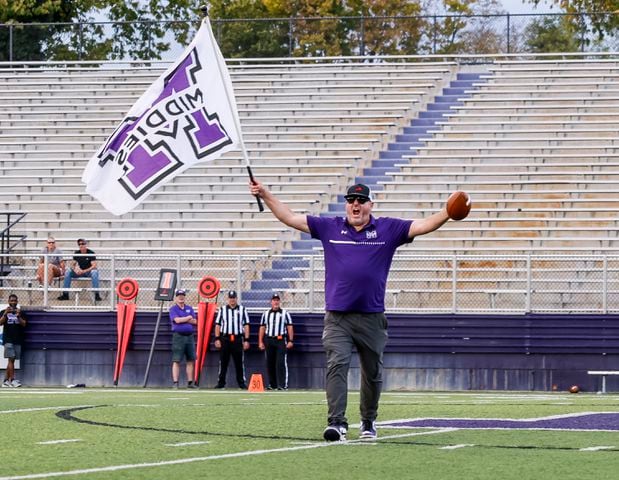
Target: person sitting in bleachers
point(55, 263)
point(84, 265)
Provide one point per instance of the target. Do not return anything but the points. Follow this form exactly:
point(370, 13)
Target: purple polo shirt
point(176, 311)
point(357, 263)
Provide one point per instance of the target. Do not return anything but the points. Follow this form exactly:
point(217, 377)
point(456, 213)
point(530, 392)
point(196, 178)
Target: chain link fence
point(312, 37)
point(417, 284)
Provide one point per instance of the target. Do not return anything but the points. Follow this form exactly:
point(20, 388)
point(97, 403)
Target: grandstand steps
point(100, 135)
point(488, 93)
point(71, 160)
point(422, 166)
point(534, 135)
point(540, 162)
point(509, 141)
point(476, 226)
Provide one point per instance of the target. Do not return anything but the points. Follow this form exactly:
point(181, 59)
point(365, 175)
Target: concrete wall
point(402, 371)
point(425, 352)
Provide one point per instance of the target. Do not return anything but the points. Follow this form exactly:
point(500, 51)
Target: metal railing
point(8, 240)
point(514, 284)
point(310, 36)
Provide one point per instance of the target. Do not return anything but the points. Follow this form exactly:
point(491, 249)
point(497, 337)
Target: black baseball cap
point(181, 291)
point(275, 295)
point(232, 294)
point(359, 191)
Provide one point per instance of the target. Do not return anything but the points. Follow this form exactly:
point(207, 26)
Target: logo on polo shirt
point(371, 234)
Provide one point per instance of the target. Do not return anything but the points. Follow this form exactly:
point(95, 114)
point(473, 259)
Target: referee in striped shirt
point(232, 339)
point(275, 338)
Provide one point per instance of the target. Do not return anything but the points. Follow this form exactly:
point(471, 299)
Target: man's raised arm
point(282, 211)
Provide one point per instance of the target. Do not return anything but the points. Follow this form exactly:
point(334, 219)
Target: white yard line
point(185, 444)
point(596, 449)
point(38, 409)
point(455, 447)
point(55, 442)
point(114, 468)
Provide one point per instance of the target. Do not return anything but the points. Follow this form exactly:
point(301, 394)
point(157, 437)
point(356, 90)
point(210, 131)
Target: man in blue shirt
point(358, 251)
point(182, 320)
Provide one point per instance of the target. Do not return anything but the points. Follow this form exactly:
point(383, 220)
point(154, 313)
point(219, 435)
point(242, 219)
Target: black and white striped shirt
point(232, 320)
point(275, 322)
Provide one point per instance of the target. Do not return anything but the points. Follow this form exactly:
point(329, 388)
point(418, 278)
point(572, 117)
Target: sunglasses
point(361, 200)
point(80, 244)
point(51, 242)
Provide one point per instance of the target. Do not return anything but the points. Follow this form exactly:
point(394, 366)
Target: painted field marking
point(29, 391)
point(38, 409)
point(185, 444)
point(114, 468)
point(596, 449)
point(55, 442)
point(455, 447)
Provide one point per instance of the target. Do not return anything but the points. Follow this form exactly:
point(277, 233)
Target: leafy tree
point(259, 36)
point(27, 41)
point(400, 34)
point(450, 19)
point(602, 15)
point(484, 32)
point(141, 40)
point(314, 32)
point(552, 34)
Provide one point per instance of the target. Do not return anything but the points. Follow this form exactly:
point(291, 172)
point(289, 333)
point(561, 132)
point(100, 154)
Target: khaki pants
point(368, 333)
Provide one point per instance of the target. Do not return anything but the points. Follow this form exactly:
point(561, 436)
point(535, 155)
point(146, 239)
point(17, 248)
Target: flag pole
point(237, 122)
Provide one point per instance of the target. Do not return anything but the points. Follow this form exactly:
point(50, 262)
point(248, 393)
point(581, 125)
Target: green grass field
point(191, 434)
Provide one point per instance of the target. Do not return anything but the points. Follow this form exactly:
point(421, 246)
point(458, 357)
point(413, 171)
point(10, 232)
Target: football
point(574, 389)
point(458, 205)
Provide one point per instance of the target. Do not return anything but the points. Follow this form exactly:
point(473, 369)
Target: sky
point(518, 6)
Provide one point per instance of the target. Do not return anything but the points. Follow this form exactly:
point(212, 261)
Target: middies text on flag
point(188, 115)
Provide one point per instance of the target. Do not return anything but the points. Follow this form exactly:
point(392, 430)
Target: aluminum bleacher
point(535, 143)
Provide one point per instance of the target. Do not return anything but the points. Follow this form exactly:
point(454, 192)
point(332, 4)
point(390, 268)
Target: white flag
point(188, 115)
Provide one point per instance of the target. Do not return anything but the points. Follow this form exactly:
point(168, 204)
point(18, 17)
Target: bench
point(604, 374)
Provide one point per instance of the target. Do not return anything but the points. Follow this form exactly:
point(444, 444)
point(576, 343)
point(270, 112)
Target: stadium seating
point(534, 143)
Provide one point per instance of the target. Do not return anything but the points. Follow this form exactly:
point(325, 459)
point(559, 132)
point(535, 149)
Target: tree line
point(33, 30)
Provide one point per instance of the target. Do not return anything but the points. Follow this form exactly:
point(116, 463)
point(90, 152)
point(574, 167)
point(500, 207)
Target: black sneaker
point(191, 385)
point(98, 297)
point(219, 385)
point(335, 433)
point(367, 430)
point(64, 296)
point(242, 386)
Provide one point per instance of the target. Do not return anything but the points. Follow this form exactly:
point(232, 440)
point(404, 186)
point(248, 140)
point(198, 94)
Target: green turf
point(233, 434)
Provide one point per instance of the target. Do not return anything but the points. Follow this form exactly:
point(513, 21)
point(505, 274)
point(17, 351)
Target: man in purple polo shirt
point(358, 251)
point(182, 320)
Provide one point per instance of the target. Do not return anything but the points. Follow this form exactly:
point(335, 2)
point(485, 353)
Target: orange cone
point(255, 383)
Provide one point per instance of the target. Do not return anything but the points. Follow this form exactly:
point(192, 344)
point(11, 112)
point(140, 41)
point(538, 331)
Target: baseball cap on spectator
point(275, 295)
point(181, 291)
point(82, 240)
point(359, 191)
point(231, 294)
